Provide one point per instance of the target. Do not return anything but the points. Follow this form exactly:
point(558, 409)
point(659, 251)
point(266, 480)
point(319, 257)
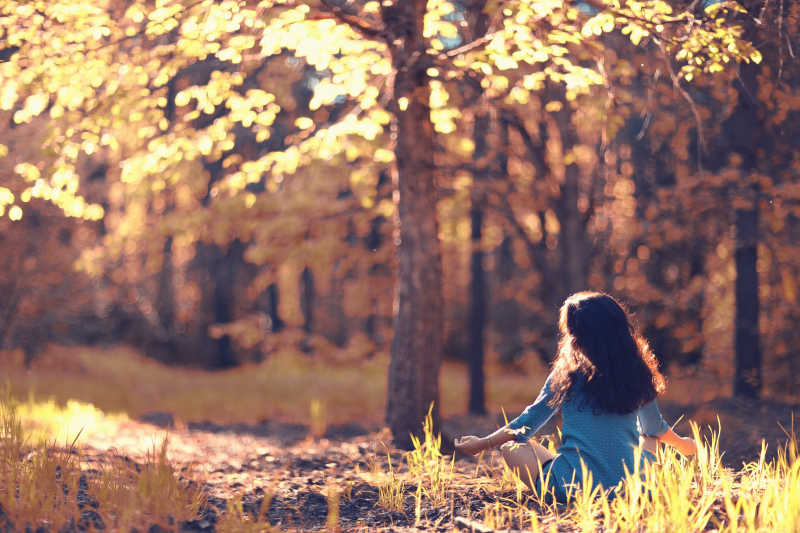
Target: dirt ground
point(281, 464)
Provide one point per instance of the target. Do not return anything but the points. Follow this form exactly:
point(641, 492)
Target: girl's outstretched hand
point(688, 446)
point(685, 445)
point(470, 444)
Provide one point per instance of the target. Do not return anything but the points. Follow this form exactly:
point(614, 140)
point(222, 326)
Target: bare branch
point(472, 45)
point(677, 85)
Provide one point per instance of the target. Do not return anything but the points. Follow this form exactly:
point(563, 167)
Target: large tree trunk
point(418, 339)
point(748, 354)
point(477, 286)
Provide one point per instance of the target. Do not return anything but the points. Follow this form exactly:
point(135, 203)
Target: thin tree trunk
point(572, 241)
point(413, 382)
point(307, 299)
point(747, 382)
point(223, 301)
point(477, 291)
point(273, 299)
point(694, 312)
point(165, 295)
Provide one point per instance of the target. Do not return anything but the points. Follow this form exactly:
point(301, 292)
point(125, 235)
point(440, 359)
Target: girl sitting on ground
point(605, 380)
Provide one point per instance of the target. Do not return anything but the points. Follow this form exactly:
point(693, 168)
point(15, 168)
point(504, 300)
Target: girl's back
point(604, 441)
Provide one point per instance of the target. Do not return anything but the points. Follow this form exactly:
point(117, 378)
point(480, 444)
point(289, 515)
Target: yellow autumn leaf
point(382, 155)
point(36, 103)
point(637, 34)
point(182, 98)
point(27, 171)
point(553, 106)
point(15, 213)
point(6, 196)
point(304, 123)
point(539, 56)
point(439, 95)
point(504, 62)
point(135, 13)
point(519, 95)
point(443, 119)
point(380, 116)
point(447, 30)
point(385, 207)
point(8, 94)
point(93, 212)
point(204, 144)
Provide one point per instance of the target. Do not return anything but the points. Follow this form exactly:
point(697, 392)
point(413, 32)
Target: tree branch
point(533, 248)
point(351, 20)
point(534, 152)
point(468, 47)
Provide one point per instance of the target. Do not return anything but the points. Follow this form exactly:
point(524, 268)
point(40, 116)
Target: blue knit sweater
point(605, 441)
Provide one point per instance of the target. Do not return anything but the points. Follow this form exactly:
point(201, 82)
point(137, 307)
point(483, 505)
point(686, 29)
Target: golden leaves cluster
point(119, 85)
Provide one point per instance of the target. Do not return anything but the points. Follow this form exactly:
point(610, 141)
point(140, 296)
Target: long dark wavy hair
point(600, 346)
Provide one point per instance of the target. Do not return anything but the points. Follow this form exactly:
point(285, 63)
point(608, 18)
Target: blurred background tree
point(214, 181)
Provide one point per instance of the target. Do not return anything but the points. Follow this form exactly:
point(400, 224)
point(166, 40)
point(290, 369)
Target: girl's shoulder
point(577, 391)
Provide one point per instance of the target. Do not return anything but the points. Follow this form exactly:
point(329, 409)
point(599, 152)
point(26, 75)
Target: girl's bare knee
point(510, 445)
point(507, 449)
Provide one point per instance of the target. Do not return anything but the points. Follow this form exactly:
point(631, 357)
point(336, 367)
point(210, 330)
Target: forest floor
point(322, 472)
point(241, 466)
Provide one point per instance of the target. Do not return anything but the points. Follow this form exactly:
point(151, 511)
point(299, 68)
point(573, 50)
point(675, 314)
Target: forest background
point(221, 183)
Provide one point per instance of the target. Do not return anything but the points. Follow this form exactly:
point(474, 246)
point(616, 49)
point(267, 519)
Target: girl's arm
point(474, 445)
point(685, 445)
point(521, 428)
point(652, 424)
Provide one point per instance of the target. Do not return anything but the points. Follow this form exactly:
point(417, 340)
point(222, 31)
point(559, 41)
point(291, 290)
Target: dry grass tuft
point(42, 484)
point(677, 494)
point(149, 493)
